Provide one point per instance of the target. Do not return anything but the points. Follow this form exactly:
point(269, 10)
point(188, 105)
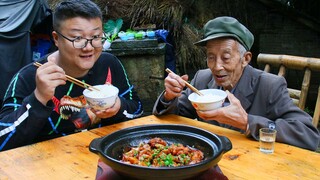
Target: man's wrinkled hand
point(174, 85)
point(233, 115)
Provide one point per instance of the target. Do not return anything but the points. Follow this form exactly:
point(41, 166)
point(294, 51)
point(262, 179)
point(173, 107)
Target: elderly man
point(256, 99)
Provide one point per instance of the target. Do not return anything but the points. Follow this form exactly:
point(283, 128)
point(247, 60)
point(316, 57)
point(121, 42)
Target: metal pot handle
point(226, 143)
point(94, 145)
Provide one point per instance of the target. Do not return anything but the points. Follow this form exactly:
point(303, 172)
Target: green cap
point(226, 27)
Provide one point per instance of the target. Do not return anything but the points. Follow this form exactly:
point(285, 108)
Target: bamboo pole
point(291, 62)
point(305, 64)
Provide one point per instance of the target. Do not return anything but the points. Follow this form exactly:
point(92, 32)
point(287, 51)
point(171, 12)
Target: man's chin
point(219, 82)
point(87, 65)
point(224, 85)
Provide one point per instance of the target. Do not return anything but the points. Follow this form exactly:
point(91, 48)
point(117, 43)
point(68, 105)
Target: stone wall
point(279, 33)
point(145, 67)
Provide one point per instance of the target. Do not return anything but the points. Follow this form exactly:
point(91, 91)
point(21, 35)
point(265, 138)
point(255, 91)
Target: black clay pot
point(111, 147)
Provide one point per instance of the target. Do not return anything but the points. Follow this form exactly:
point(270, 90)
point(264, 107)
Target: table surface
point(69, 157)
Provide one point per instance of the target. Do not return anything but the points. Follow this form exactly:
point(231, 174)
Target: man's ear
point(55, 37)
point(246, 58)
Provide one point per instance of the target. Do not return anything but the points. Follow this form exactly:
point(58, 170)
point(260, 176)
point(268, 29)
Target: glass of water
point(267, 140)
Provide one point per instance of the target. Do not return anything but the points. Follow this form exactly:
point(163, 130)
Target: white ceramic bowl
point(211, 99)
point(103, 99)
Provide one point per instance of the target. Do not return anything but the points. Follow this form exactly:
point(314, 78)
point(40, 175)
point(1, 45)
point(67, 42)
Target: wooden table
point(69, 157)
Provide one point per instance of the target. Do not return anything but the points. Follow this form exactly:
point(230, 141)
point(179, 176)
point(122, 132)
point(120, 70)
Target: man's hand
point(107, 113)
point(174, 85)
point(48, 77)
point(233, 115)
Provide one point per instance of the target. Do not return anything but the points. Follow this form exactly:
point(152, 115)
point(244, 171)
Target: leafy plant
point(309, 111)
point(112, 28)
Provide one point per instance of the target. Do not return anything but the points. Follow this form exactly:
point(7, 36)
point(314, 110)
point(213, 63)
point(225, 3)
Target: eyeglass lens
point(95, 42)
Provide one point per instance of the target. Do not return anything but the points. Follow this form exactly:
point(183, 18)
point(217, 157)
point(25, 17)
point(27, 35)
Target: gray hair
point(242, 50)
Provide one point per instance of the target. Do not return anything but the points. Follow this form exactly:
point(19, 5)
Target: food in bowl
point(211, 99)
point(111, 147)
point(102, 99)
point(159, 153)
point(206, 98)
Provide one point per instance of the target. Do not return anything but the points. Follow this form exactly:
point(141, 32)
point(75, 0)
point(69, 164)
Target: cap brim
point(203, 42)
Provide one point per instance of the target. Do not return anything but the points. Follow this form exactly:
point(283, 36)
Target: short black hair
point(75, 8)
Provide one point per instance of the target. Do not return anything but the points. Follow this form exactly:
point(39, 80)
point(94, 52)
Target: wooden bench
point(306, 64)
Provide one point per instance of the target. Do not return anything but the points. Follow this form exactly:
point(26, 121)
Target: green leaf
point(111, 27)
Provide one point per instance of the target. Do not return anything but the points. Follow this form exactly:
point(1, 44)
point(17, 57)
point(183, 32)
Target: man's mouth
point(220, 77)
point(86, 56)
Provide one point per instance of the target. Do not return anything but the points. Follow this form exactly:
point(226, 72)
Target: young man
point(256, 99)
point(41, 104)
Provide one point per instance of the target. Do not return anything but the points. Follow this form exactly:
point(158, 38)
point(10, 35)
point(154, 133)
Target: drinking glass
point(267, 140)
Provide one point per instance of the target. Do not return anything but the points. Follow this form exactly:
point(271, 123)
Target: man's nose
point(218, 64)
point(88, 45)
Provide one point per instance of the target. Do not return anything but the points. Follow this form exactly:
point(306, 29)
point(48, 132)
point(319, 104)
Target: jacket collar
point(244, 89)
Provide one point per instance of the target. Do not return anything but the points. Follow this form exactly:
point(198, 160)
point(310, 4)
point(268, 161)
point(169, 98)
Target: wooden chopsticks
point(74, 80)
point(187, 84)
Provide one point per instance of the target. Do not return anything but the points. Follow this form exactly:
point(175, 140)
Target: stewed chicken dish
point(159, 153)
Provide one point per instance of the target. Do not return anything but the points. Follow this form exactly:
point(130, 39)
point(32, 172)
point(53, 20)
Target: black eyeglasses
point(80, 42)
